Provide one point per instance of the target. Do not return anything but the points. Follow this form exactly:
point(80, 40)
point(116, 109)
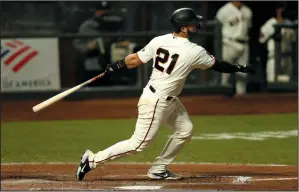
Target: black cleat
point(167, 175)
point(84, 165)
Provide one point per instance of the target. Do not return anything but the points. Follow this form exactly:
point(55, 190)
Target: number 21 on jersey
point(162, 59)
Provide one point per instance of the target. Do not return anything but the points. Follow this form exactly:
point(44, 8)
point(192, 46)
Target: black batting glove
point(246, 68)
point(108, 70)
point(117, 66)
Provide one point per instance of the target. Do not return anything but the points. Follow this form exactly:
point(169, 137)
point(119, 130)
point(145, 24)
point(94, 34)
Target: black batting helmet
point(183, 17)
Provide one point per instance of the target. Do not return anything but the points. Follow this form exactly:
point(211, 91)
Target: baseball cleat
point(84, 165)
point(167, 175)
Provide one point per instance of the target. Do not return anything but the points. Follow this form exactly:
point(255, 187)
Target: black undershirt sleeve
point(224, 67)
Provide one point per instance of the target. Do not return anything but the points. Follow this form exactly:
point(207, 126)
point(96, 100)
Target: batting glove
point(246, 68)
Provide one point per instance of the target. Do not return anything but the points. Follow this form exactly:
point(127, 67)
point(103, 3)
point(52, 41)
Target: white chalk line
point(276, 179)
point(149, 163)
point(62, 189)
point(22, 181)
point(242, 179)
point(255, 136)
point(139, 187)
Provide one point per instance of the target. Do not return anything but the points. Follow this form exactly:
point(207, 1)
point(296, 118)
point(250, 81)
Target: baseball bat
point(63, 94)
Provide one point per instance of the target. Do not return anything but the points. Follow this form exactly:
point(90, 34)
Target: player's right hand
point(246, 69)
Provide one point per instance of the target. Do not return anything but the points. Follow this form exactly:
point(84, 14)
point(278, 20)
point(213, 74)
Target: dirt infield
point(132, 176)
point(127, 108)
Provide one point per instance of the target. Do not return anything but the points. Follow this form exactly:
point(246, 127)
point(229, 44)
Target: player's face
point(100, 12)
point(192, 28)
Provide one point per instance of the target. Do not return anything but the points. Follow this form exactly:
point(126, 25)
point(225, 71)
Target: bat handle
point(96, 77)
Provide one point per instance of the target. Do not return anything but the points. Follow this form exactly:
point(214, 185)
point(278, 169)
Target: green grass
point(64, 141)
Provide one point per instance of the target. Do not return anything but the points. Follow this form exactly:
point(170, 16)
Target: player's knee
point(188, 130)
point(142, 147)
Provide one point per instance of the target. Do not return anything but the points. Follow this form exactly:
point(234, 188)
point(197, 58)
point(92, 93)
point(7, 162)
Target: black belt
point(239, 40)
point(169, 98)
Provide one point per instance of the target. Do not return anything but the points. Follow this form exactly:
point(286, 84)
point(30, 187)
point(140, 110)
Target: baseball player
point(235, 18)
point(267, 34)
point(174, 58)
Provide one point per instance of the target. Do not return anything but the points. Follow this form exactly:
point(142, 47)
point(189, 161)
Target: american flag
point(16, 53)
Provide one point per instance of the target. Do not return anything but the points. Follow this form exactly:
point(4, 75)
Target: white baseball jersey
point(235, 22)
point(173, 59)
point(268, 30)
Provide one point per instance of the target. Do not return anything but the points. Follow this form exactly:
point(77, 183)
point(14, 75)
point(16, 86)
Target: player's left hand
point(246, 68)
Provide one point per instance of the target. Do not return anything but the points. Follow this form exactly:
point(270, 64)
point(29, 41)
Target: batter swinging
point(174, 58)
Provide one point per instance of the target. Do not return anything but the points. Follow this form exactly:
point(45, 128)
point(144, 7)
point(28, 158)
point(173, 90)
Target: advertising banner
point(30, 64)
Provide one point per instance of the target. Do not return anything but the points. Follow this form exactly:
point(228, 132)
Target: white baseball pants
point(285, 71)
point(233, 55)
point(153, 111)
